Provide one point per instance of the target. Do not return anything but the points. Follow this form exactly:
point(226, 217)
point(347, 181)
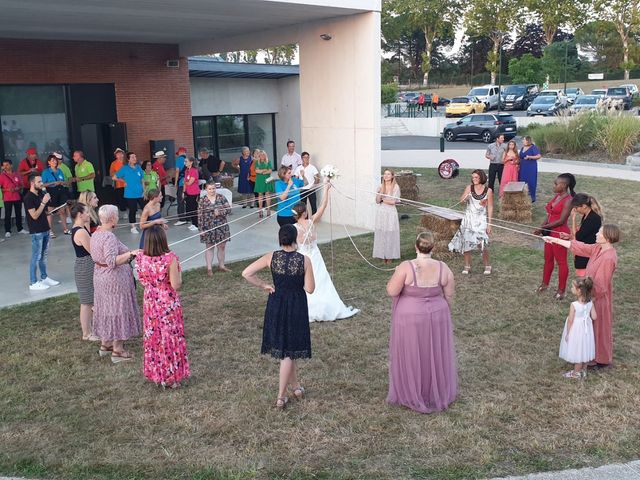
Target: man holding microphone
point(35, 203)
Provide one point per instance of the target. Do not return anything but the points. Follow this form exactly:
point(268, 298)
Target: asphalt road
point(431, 143)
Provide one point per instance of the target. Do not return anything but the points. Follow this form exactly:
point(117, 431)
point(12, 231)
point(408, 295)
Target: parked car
point(518, 97)
point(483, 126)
point(487, 93)
point(464, 106)
point(442, 102)
point(601, 92)
point(545, 105)
point(572, 93)
point(408, 97)
point(618, 96)
point(632, 87)
point(585, 103)
point(559, 94)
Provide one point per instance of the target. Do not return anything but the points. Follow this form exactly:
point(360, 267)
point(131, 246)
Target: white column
point(340, 109)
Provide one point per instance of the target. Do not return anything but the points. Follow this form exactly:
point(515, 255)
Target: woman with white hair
point(116, 317)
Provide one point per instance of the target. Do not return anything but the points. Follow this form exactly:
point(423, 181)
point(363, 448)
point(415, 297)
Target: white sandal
point(466, 270)
point(487, 270)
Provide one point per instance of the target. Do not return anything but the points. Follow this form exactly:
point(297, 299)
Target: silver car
point(585, 103)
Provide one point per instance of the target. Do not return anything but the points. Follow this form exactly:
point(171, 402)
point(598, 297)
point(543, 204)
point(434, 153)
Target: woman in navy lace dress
point(286, 333)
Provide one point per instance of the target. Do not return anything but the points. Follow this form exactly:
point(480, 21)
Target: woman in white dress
point(476, 225)
point(386, 236)
point(324, 303)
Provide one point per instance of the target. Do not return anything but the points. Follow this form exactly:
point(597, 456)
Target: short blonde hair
point(425, 241)
point(108, 213)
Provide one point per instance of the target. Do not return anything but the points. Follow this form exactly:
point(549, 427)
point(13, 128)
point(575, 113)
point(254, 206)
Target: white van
point(487, 94)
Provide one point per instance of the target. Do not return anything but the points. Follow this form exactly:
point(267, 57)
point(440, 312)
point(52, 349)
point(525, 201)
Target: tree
point(432, 17)
point(561, 57)
point(405, 43)
point(473, 54)
point(526, 69)
point(625, 16)
point(600, 41)
point(493, 19)
point(281, 55)
point(531, 40)
point(555, 14)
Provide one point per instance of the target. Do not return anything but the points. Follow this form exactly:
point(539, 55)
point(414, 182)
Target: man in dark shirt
point(210, 165)
point(35, 203)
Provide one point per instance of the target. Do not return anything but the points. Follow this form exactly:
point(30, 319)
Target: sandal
point(260, 214)
point(487, 270)
point(572, 374)
point(53, 235)
point(121, 356)
point(105, 351)
point(67, 232)
point(542, 288)
point(91, 338)
point(281, 403)
point(559, 295)
point(224, 269)
point(298, 393)
point(466, 270)
point(209, 273)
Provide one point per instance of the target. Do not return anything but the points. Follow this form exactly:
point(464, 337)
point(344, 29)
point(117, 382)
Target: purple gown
point(423, 374)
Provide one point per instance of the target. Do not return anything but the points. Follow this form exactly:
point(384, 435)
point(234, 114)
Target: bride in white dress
point(324, 303)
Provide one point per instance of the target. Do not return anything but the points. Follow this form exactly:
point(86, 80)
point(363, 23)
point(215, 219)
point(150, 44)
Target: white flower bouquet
point(329, 171)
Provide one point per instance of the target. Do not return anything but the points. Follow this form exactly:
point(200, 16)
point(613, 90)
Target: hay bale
point(407, 181)
point(443, 224)
point(515, 205)
point(227, 182)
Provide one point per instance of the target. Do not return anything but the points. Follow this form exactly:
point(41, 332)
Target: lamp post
point(500, 78)
point(566, 55)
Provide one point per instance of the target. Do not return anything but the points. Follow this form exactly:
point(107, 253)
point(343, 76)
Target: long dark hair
point(585, 199)
point(570, 181)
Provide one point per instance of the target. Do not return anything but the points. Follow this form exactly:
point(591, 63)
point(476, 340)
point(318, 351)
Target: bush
point(389, 93)
point(619, 136)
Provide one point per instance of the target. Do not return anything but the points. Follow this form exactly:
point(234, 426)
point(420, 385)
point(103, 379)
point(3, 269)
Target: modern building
point(91, 76)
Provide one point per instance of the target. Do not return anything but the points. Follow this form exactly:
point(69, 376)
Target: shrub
point(389, 93)
point(619, 135)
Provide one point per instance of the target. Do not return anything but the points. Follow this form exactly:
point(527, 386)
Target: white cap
point(57, 155)
point(159, 153)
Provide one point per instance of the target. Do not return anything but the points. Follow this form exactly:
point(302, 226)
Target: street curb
point(580, 163)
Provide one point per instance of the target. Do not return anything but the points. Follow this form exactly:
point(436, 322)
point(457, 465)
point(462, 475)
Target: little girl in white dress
point(578, 343)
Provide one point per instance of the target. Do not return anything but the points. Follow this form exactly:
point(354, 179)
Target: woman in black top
point(591, 221)
point(83, 267)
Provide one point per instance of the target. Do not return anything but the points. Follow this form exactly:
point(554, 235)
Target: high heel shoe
point(260, 214)
point(542, 288)
point(298, 393)
point(559, 295)
point(281, 403)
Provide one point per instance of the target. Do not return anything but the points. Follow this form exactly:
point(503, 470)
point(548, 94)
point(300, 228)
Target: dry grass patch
point(66, 414)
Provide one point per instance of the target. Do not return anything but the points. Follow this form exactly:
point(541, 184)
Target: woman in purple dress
point(116, 317)
point(529, 156)
point(422, 360)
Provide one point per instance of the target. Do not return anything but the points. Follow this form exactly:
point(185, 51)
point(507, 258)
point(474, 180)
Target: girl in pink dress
point(165, 349)
point(511, 161)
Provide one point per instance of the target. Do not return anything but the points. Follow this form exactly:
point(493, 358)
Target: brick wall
point(152, 99)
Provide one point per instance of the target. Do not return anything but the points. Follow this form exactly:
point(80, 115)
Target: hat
point(118, 150)
point(181, 150)
point(32, 151)
point(57, 155)
point(159, 153)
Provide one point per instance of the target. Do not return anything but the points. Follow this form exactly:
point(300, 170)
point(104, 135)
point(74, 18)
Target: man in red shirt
point(28, 165)
point(158, 166)
point(11, 185)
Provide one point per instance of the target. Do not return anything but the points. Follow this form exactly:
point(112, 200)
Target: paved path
point(616, 471)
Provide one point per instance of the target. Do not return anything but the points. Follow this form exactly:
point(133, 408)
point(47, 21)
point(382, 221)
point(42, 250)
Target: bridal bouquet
point(329, 171)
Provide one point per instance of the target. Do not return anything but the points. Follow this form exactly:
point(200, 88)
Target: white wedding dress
point(324, 303)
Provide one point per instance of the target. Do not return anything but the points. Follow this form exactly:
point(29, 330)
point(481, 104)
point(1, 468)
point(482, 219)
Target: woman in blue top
point(54, 181)
point(288, 192)
point(529, 156)
point(133, 176)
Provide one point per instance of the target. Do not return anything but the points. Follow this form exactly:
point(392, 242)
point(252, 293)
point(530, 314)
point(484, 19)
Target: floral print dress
point(214, 228)
point(165, 349)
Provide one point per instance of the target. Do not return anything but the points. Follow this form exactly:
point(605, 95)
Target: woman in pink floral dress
point(165, 349)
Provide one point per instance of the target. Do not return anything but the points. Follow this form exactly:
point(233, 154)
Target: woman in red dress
point(165, 350)
point(603, 260)
point(558, 211)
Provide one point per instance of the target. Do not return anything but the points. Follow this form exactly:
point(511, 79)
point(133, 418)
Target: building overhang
point(211, 68)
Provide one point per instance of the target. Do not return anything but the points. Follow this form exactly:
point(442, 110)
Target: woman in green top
point(263, 188)
point(151, 180)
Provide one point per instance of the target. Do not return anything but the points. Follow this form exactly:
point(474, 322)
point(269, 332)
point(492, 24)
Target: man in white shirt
point(313, 179)
point(291, 159)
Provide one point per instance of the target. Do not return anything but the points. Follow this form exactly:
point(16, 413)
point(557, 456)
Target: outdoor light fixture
point(326, 36)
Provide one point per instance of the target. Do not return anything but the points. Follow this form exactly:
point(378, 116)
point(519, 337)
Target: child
point(578, 345)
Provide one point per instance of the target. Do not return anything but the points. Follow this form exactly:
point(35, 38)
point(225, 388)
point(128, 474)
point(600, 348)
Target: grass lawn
point(64, 413)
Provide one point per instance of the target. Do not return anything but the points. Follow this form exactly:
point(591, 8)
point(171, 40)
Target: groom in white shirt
point(291, 159)
point(313, 179)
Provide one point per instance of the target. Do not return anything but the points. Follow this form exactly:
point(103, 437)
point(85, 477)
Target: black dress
point(589, 226)
point(286, 319)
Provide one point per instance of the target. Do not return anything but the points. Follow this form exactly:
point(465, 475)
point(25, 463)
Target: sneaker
point(7, 235)
point(69, 221)
point(38, 286)
point(193, 228)
point(134, 230)
point(24, 232)
point(50, 282)
point(180, 222)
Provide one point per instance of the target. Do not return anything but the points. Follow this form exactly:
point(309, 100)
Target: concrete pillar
point(340, 108)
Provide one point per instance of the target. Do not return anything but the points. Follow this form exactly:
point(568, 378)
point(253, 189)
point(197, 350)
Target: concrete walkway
point(471, 159)
point(616, 471)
